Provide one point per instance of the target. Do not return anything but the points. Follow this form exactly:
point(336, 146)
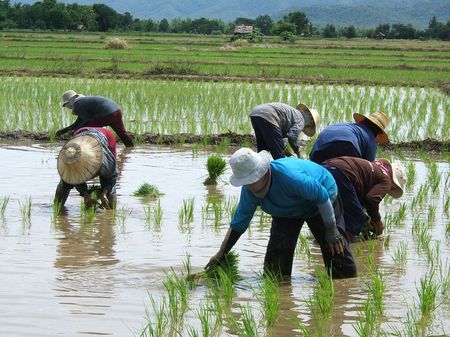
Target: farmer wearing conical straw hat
point(292, 191)
point(357, 139)
point(91, 153)
point(95, 111)
point(362, 185)
point(272, 122)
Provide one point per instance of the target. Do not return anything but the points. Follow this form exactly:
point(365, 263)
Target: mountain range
point(359, 13)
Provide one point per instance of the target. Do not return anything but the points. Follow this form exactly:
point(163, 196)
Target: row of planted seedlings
point(198, 107)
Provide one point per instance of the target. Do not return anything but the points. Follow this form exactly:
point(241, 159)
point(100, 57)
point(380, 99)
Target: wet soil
point(234, 139)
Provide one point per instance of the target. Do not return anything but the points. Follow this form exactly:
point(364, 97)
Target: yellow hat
point(80, 159)
point(378, 118)
point(310, 130)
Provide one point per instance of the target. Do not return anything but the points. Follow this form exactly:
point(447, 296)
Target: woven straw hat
point(399, 179)
point(310, 130)
point(248, 166)
point(80, 159)
point(378, 118)
point(68, 96)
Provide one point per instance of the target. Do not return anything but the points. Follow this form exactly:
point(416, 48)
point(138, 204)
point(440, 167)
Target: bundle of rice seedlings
point(147, 190)
point(216, 166)
point(229, 265)
point(116, 43)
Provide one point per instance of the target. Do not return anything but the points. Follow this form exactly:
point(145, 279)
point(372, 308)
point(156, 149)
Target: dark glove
point(228, 242)
point(59, 133)
point(335, 240)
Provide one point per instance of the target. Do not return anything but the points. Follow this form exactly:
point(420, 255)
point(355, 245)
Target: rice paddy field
point(126, 272)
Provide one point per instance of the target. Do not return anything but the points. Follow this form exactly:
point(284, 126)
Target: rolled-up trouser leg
point(281, 247)
point(62, 192)
point(339, 265)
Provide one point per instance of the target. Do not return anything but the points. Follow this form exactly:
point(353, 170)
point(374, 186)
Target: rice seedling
point(216, 166)
point(25, 209)
point(321, 301)
point(268, 295)
point(158, 328)
point(177, 291)
point(387, 241)
point(410, 175)
point(447, 206)
point(433, 253)
point(121, 215)
point(248, 326)
point(427, 292)
point(411, 326)
point(365, 325)
point(304, 246)
point(431, 214)
point(3, 203)
point(158, 215)
point(186, 213)
point(147, 190)
point(87, 213)
point(376, 288)
point(206, 319)
point(229, 264)
point(400, 256)
point(434, 177)
point(148, 215)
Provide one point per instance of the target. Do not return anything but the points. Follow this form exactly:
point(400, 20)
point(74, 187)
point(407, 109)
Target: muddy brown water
point(65, 277)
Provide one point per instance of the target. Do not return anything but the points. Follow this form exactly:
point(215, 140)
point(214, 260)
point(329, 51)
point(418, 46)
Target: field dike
point(234, 139)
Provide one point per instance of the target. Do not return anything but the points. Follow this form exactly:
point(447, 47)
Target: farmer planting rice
point(274, 121)
point(357, 139)
point(91, 153)
point(363, 184)
point(94, 111)
point(292, 191)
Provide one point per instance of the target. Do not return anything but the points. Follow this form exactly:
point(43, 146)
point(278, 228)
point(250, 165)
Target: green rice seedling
point(207, 320)
point(121, 215)
point(376, 291)
point(431, 214)
point(447, 206)
point(401, 214)
point(321, 301)
point(159, 327)
point(88, 213)
point(147, 190)
point(158, 215)
point(218, 213)
point(447, 229)
point(387, 241)
point(217, 306)
point(410, 175)
point(25, 209)
point(304, 246)
point(444, 280)
point(304, 330)
point(249, 326)
point(177, 292)
point(401, 254)
point(187, 270)
point(427, 294)
point(434, 177)
point(192, 332)
point(186, 213)
point(148, 215)
point(3, 203)
point(216, 166)
point(229, 264)
point(269, 297)
point(411, 326)
point(366, 321)
point(433, 253)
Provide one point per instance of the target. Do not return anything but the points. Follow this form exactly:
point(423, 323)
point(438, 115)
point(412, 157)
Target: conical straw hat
point(80, 159)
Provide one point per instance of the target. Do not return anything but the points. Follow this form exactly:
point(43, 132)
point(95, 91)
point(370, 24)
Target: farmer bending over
point(274, 121)
point(363, 184)
point(95, 111)
point(357, 139)
point(292, 191)
point(91, 153)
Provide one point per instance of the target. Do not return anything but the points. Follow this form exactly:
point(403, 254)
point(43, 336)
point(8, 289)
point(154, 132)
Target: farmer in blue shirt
point(292, 191)
point(351, 139)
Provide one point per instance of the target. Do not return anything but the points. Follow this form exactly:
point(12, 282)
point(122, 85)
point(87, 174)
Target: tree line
point(51, 15)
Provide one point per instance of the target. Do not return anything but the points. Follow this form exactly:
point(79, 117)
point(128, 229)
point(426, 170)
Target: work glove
point(59, 133)
point(297, 152)
point(231, 237)
point(335, 240)
point(88, 200)
point(378, 226)
point(104, 199)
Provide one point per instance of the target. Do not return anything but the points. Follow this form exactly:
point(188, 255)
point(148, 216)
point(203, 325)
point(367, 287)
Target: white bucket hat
point(68, 96)
point(310, 130)
point(399, 179)
point(80, 159)
point(248, 166)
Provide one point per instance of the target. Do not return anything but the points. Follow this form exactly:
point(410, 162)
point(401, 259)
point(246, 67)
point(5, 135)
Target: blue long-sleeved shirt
point(356, 133)
point(297, 187)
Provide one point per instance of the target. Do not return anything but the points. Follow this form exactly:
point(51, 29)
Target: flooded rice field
point(70, 275)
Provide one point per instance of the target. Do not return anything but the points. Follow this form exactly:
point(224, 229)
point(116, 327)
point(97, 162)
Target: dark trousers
point(115, 121)
point(354, 216)
point(283, 241)
point(268, 137)
point(333, 150)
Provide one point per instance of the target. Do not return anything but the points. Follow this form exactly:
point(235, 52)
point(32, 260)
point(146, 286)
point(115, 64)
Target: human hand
point(379, 227)
point(59, 133)
point(104, 199)
point(334, 240)
point(215, 260)
point(89, 201)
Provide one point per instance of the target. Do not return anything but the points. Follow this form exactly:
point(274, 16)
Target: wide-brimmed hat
point(68, 96)
point(399, 179)
point(248, 166)
point(80, 159)
point(310, 130)
point(378, 118)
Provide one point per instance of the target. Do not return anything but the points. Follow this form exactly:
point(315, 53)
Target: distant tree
point(264, 23)
point(283, 26)
point(434, 27)
point(349, 32)
point(107, 18)
point(444, 33)
point(207, 26)
point(300, 20)
point(164, 25)
point(401, 31)
point(125, 21)
point(329, 31)
point(244, 21)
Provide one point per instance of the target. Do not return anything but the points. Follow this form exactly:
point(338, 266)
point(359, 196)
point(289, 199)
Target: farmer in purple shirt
point(95, 111)
point(351, 139)
point(292, 191)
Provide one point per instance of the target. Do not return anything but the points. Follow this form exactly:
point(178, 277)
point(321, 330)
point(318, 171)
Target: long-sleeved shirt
point(296, 188)
point(290, 120)
point(356, 133)
point(88, 107)
point(371, 182)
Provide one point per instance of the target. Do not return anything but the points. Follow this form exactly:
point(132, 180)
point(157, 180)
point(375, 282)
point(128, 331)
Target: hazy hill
point(361, 13)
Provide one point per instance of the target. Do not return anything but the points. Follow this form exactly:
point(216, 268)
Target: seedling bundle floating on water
point(216, 166)
point(147, 190)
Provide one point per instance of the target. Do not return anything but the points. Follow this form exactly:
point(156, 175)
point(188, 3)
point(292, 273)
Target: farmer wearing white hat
point(292, 191)
point(362, 185)
point(95, 111)
point(91, 153)
point(274, 121)
point(357, 139)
